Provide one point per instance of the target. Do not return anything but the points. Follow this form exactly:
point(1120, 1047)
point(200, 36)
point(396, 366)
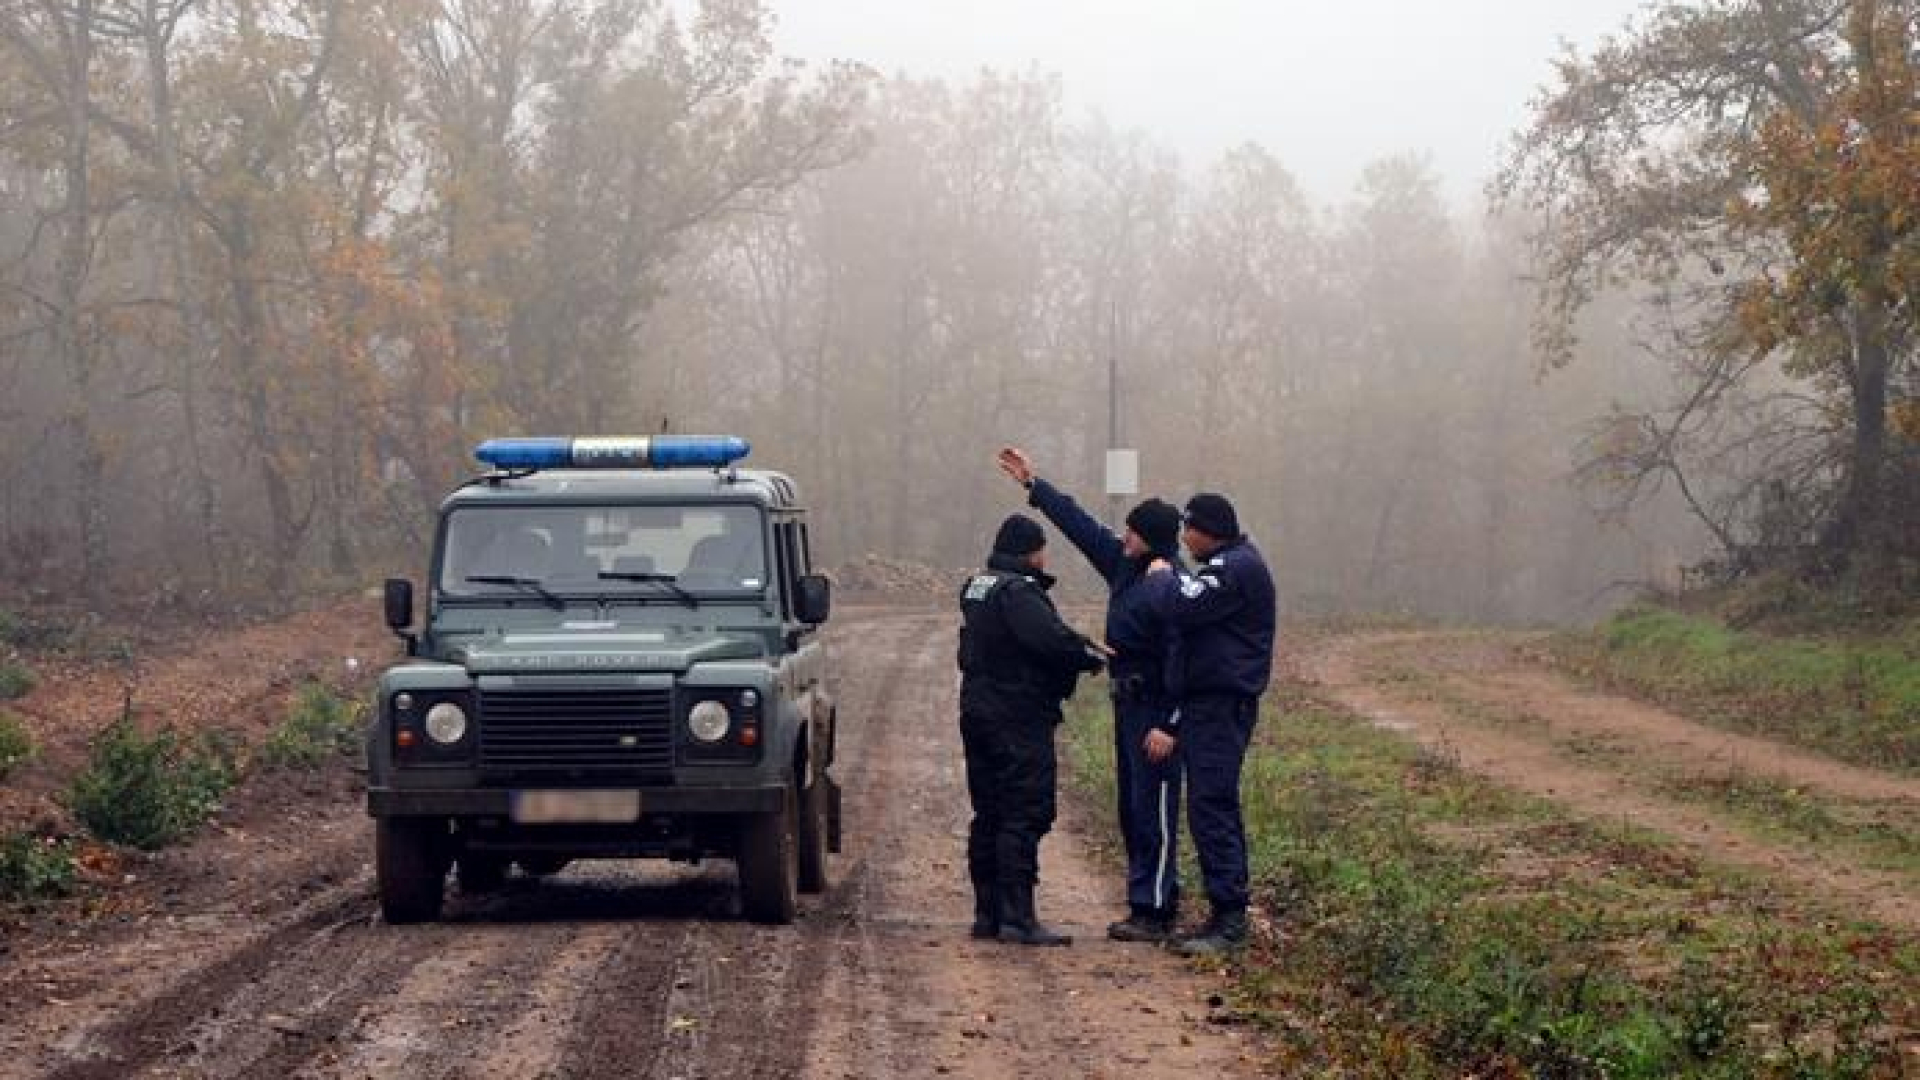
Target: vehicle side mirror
point(814, 599)
point(399, 601)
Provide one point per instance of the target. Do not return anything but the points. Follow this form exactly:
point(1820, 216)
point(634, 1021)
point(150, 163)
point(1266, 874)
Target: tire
point(769, 863)
point(481, 873)
point(410, 865)
point(812, 877)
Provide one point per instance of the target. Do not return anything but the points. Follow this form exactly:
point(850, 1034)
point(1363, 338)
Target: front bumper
point(496, 802)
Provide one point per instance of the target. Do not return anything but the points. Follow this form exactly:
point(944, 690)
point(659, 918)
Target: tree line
point(268, 270)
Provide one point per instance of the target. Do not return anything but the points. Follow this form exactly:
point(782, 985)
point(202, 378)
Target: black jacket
point(1225, 612)
point(1144, 646)
point(1016, 655)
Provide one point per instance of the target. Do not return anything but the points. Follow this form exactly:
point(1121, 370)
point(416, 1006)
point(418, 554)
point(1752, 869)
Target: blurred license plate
point(554, 807)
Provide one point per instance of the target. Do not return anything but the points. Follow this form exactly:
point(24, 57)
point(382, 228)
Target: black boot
point(1225, 932)
point(1019, 925)
point(1144, 924)
point(986, 911)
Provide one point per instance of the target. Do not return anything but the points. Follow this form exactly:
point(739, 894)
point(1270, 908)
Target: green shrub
point(16, 746)
point(319, 727)
point(17, 631)
point(15, 680)
point(33, 869)
point(149, 791)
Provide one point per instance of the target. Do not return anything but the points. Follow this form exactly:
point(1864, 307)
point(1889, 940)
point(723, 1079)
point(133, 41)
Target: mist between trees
point(269, 269)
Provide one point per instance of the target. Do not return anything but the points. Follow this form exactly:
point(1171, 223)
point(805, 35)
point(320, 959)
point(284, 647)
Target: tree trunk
point(199, 346)
point(285, 529)
point(1859, 533)
point(74, 346)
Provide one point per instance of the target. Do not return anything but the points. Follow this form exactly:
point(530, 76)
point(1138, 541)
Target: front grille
point(577, 734)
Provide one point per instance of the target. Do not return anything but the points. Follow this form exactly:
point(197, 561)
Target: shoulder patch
point(979, 587)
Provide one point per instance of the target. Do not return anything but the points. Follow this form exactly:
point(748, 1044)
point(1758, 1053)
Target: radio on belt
point(646, 452)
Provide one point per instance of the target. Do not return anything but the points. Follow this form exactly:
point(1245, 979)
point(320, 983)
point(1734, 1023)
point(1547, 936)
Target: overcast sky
point(1326, 86)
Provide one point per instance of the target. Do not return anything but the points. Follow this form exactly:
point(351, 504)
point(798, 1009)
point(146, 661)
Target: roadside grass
point(1856, 697)
point(16, 745)
point(1426, 923)
point(150, 791)
point(1882, 836)
point(320, 727)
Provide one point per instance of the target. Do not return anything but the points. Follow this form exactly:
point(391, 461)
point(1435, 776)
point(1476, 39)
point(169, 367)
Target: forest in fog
point(270, 268)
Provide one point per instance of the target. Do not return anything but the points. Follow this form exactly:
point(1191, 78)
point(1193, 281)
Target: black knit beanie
point(1158, 523)
point(1213, 514)
point(1019, 535)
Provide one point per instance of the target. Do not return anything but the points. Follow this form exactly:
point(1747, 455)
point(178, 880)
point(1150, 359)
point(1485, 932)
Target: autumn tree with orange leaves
point(264, 264)
point(1751, 170)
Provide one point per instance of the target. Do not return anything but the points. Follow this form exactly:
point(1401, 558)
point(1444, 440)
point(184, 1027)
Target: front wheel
point(410, 864)
point(769, 863)
point(813, 837)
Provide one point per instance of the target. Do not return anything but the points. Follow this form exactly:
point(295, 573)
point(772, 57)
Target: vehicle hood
point(552, 650)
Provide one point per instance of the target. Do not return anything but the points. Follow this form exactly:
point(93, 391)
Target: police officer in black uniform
point(1147, 787)
point(1018, 662)
point(1225, 612)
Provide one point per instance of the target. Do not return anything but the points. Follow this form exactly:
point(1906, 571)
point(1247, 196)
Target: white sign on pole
point(1123, 472)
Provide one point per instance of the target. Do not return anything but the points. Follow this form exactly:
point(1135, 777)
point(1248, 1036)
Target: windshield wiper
point(530, 584)
point(671, 582)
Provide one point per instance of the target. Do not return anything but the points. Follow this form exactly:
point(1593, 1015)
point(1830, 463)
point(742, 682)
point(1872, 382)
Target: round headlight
point(709, 721)
point(447, 723)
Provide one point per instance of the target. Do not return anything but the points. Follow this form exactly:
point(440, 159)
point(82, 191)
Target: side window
point(786, 542)
point(803, 552)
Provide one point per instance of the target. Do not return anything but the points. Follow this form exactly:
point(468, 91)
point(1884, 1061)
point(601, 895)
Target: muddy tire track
point(636, 969)
point(157, 1026)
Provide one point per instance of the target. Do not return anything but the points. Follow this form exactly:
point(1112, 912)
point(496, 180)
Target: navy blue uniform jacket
point(1143, 645)
point(1225, 612)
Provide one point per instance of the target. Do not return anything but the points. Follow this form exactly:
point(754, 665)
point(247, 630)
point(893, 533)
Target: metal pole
point(1115, 513)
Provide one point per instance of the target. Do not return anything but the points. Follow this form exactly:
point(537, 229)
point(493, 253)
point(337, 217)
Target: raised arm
point(1102, 548)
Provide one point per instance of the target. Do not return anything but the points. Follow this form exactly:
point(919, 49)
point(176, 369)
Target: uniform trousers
point(1011, 776)
point(1214, 733)
point(1149, 804)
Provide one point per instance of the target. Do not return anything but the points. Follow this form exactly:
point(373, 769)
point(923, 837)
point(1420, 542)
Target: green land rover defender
point(620, 659)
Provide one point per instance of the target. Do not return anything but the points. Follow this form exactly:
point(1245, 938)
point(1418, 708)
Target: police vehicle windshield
point(713, 550)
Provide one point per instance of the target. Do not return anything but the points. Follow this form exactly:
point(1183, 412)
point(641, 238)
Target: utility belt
point(1021, 680)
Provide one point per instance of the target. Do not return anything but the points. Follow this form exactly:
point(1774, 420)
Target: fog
point(271, 269)
point(1328, 88)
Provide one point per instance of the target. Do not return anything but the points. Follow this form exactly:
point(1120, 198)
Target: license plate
point(575, 807)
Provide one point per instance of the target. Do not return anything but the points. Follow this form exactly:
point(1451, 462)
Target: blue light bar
point(658, 452)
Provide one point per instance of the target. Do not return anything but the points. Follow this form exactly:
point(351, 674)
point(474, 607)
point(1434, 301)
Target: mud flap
point(833, 814)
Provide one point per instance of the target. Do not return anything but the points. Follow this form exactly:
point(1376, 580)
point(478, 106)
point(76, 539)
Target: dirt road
point(1474, 698)
point(257, 952)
